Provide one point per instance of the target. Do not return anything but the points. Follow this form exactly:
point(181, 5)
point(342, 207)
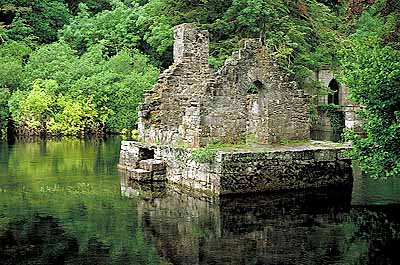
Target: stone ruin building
point(340, 97)
point(249, 99)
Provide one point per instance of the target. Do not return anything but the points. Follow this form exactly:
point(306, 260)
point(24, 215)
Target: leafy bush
point(371, 69)
point(74, 117)
point(204, 155)
point(335, 115)
point(33, 109)
point(12, 56)
point(94, 92)
point(4, 112)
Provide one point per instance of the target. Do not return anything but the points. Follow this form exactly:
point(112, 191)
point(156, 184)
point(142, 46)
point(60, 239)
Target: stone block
point(140, 174)
point(152, 165)
point(122, 167)
point(159, 175)
point(325, 155)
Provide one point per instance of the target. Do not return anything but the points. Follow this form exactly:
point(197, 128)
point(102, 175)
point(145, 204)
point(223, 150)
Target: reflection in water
point(43, 240)
point(61, 203)
point(38, 241)
point(304, 227)
point(369, 191)
point(34, 164)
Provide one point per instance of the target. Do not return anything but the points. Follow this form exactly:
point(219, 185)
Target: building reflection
point(302, 227)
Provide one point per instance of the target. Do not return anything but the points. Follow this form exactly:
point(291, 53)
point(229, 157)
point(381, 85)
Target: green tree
point(34, 109)
point(37, 20)
point(12, 57)
point(94, 6)
point(371, 69)
point(74, 117)
point(4, 112)
point(95, 92)
point(114, 29)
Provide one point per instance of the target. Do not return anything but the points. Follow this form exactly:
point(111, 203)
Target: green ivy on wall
point(335, 115)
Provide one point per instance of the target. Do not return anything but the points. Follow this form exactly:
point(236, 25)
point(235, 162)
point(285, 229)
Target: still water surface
point(64, 202)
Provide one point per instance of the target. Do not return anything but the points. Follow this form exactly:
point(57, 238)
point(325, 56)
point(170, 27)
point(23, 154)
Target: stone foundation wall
point(241, 172)
point(180, 168)
point(324, 122)
point(281, 170)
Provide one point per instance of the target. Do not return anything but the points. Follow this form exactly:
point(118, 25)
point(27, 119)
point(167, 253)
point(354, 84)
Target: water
point(64, 202)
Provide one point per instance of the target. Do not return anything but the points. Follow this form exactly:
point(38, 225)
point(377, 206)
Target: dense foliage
point(371, 68)
point(51, 86)
point(74, 67)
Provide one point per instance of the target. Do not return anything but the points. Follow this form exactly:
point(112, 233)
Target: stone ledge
point(312, 165)
point(152, 165)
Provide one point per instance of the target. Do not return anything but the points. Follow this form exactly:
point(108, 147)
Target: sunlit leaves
point(35, 108)
point(94, 92)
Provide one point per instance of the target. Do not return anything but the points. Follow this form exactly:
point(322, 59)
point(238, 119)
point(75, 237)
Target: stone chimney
point(190, 43)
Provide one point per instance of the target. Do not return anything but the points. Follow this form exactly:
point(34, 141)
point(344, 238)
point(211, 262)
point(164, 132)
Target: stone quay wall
point(300, 167)
point(180, 168)
point(281, 170)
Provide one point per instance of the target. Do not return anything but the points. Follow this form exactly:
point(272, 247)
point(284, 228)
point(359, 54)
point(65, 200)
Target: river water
point(64, 202)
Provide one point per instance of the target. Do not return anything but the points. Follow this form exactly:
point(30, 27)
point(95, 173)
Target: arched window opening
point(255, 87)
point(334, 97)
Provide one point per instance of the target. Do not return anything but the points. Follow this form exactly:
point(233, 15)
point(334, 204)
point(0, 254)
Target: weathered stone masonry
point(297, 167)
point(249, 98)
point(349, 109)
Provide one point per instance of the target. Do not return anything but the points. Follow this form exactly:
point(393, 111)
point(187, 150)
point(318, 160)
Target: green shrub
point(204, 155)
point(335, 115)
point(371, 69)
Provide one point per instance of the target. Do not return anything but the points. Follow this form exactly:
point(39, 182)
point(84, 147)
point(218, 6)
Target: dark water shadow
point(302, 227)
point(43, 240)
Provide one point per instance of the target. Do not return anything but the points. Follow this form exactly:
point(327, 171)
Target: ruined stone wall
point(171, 111)
point(249, 98)
point(349, 108)
point(252, 99)
point(325, 77)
